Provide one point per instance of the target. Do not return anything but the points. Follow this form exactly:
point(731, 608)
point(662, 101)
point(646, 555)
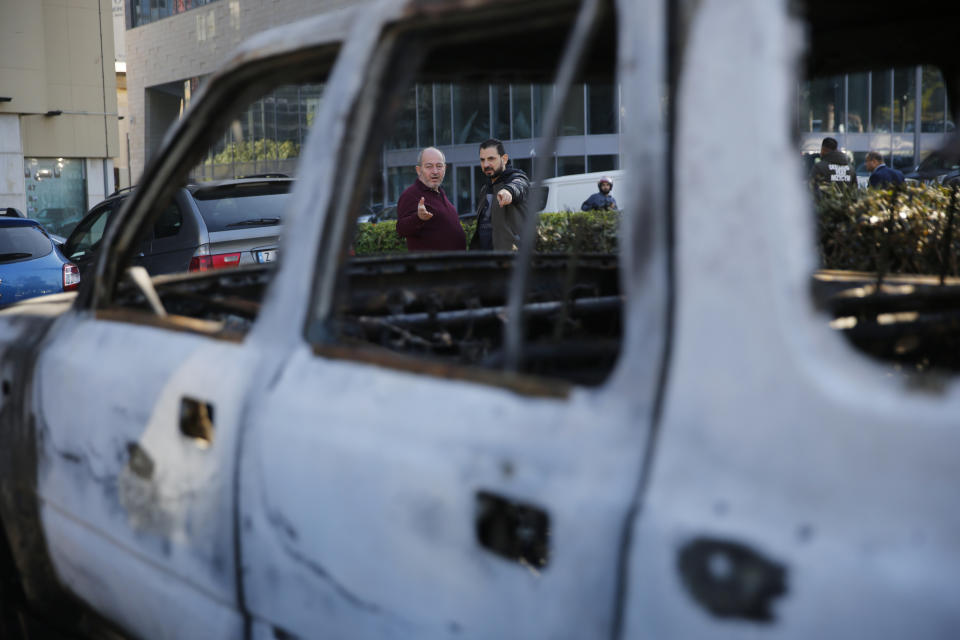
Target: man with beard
point(425, 217)
point(502, 205)
point(601, 200)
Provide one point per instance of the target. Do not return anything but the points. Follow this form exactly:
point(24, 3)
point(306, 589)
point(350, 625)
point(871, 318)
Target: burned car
point(670, 440)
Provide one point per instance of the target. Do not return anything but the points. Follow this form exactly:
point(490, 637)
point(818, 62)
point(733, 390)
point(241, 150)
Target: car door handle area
point(514, 530)
point(196, 421)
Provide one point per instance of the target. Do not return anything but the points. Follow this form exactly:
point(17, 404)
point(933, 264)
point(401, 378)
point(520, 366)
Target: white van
point(568, 193)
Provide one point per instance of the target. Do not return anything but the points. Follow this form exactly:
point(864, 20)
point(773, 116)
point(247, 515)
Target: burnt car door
point(802, 486)
point(398, 478)
point(138, 398)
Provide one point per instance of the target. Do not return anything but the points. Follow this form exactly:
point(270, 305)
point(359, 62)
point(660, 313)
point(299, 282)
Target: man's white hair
point(420, 155)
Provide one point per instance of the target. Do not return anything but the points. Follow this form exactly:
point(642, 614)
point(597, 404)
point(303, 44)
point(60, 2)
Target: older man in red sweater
point(425, 217)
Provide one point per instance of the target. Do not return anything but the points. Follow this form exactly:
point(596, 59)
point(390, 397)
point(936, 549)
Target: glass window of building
point(399, 178)
point(572, 122)
point(881, 87)
point(524, 164)
point(443, 110)
point(904, 99)
point(500, 94)
point(569, 165)
point(289, 122)
point(541, 99)
point(858, 103)
point(933, 105)
point(821, 100)
point(425, 115)
point(601, 109)
point(56, 192)
point(522, 116)
point(471, 113)
point(141, 12)
point(405, 134)
point(265, 138)
point(606, 162)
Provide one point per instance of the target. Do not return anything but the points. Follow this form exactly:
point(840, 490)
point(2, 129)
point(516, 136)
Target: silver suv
point(210, 225)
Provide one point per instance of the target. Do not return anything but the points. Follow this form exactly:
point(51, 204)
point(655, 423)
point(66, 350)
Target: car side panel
point(138, 513)
point(29, 278)
point(172, 254)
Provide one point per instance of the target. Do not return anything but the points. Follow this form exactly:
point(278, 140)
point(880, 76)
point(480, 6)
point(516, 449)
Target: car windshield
point(239, 206)
point(22, 243)
point(936, 162)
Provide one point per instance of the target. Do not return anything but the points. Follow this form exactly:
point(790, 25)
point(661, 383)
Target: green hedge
point(579, 232)
point(906, 229)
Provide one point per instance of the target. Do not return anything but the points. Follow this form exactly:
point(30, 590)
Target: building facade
point(58, 108)
point(172, 45)
point(901, 113)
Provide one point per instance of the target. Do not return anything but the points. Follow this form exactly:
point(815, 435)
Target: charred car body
point(666, 442)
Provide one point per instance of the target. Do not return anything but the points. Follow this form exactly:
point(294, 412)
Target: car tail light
point(222, 260)
point(71, 277)
point(216, 261)
point(201, 263)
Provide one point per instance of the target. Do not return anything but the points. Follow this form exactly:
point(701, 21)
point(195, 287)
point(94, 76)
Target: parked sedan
point(211, 225)
point(940, 167)
point(30, 262)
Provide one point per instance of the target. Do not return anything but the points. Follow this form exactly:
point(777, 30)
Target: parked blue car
point(31, 263)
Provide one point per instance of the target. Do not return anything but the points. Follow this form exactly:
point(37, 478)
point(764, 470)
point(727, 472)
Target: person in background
point(834, 166)
point(502, 205)
point(881, 174)
point(425, 217)
point(602, 200)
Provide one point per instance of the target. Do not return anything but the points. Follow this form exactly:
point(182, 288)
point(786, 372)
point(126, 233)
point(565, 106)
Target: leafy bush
point(905, 229)
point(579, 232)
point(262, 149)
point(378, 238)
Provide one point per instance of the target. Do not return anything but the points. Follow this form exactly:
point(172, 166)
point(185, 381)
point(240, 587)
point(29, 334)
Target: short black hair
point(829, 144)
point(493, 142)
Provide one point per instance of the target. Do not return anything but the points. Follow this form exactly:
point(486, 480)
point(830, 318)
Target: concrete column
point(99, 179)
point(13, 192)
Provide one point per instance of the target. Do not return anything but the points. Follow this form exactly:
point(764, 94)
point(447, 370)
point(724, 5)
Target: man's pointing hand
point(422, 212)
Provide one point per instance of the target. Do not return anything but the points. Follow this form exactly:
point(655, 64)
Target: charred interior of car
point(421, 306)
point(455, 309)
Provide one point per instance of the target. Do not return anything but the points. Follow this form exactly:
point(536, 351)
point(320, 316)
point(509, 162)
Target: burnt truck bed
point(450, 306)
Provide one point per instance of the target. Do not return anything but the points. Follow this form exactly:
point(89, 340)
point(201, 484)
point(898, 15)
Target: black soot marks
point(514, 530)
point(730, 579)
point(805, 533)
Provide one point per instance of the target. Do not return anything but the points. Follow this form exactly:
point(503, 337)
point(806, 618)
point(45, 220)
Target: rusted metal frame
point(520, 384)
point(583, 29)
point(209, 328)
point(582, 305)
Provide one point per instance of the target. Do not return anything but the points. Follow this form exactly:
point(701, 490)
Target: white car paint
point(338, 498)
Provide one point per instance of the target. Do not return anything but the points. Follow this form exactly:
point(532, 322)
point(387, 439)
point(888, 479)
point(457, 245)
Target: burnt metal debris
point(730, 579)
